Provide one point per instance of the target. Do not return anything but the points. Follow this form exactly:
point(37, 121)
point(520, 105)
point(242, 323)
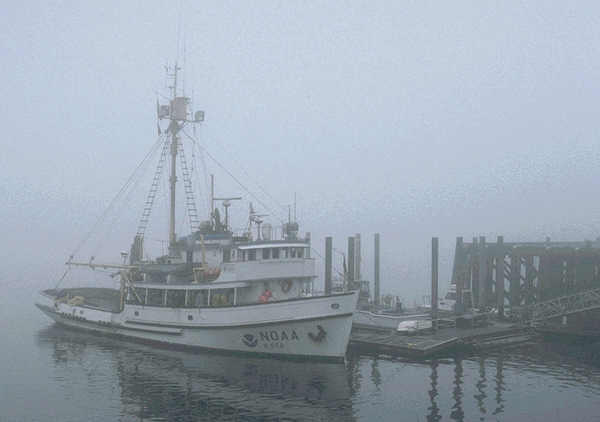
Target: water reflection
point(165, 384)
point(151, 384)
point(375, 374)
point(457, 390)
point(353, 372)
point(434, 411)
point(481, 386)
point(457, 413)
point(499, 386)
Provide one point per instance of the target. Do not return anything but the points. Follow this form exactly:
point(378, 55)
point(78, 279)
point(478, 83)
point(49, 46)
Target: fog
point(411, 119)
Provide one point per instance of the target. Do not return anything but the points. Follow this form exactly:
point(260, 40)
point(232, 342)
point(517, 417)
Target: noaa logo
point(249, 340)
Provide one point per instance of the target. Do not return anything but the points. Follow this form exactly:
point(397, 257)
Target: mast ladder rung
point(153, 190)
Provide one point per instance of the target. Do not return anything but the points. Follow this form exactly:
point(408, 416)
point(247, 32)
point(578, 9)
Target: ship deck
point(105, 299)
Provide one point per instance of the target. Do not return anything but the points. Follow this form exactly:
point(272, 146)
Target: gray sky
point(413, 119)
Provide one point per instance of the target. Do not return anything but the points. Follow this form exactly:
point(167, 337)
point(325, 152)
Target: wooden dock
point(442, 341)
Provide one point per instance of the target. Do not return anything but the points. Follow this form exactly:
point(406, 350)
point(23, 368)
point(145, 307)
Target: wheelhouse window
point(197, 298)
point(275, 253)
point(292, 252)
point(135, 296)
point(251, 254)
point(176, 298)
point(300, 253)
point(266, 253)
point(221, 297)
point(155, 297)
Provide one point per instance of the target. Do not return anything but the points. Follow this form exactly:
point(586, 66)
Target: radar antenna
point(257, 219)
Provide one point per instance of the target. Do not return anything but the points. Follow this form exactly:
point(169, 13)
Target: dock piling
point(474, 264)
point(351, 265)
point(434, 282)
point(500, 252)
point(459, 274)
point(357, 257)
point(483, 271)
point(376, 292)
point(328, 264)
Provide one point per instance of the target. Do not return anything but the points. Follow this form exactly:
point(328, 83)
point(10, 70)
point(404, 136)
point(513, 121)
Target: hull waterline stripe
point(250, 324)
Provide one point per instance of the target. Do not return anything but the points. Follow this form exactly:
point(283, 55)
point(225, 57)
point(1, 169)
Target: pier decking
point(442, 341)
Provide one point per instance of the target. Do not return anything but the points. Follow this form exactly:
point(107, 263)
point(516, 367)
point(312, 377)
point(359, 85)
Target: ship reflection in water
point(162, 384)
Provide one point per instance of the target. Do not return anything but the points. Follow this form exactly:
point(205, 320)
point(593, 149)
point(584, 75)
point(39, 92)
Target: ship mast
point(178, 113)
point(173, 182)
point(173, 129)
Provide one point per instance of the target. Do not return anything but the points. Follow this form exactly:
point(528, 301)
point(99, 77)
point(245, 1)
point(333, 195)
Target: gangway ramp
point(582, 301)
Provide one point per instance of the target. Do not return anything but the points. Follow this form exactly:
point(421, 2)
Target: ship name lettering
point(282, 335)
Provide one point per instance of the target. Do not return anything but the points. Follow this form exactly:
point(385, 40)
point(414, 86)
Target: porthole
point(136, 313)
point(190, 317)
point(81, 312)
point(335, 306)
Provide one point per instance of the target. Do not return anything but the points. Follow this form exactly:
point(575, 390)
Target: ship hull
point(310, 328)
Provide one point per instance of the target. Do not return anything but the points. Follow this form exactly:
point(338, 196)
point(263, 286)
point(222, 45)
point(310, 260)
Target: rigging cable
point(125, 201)
point(117, 196)
point(264, 191)
point(109, 208)
point(236, 179)
point(190, 200)
point(148, 205)
point(206, 197)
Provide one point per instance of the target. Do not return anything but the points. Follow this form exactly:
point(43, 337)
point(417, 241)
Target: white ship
point(213, 290)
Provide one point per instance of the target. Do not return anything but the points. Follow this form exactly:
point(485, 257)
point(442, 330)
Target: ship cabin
point(219, 269)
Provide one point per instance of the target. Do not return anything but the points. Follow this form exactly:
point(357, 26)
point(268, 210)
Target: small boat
point(367, 319)
point(214, 289)
point(414, 326)
point(445, 303)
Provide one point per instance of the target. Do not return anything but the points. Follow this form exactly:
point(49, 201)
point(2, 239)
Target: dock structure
point(549, 287)
point(440, 342)
point(522, 273)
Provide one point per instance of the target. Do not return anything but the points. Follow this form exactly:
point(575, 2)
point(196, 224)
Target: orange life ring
point(285, 285)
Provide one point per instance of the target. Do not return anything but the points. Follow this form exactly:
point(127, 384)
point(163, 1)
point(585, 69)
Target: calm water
point(51, 374)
